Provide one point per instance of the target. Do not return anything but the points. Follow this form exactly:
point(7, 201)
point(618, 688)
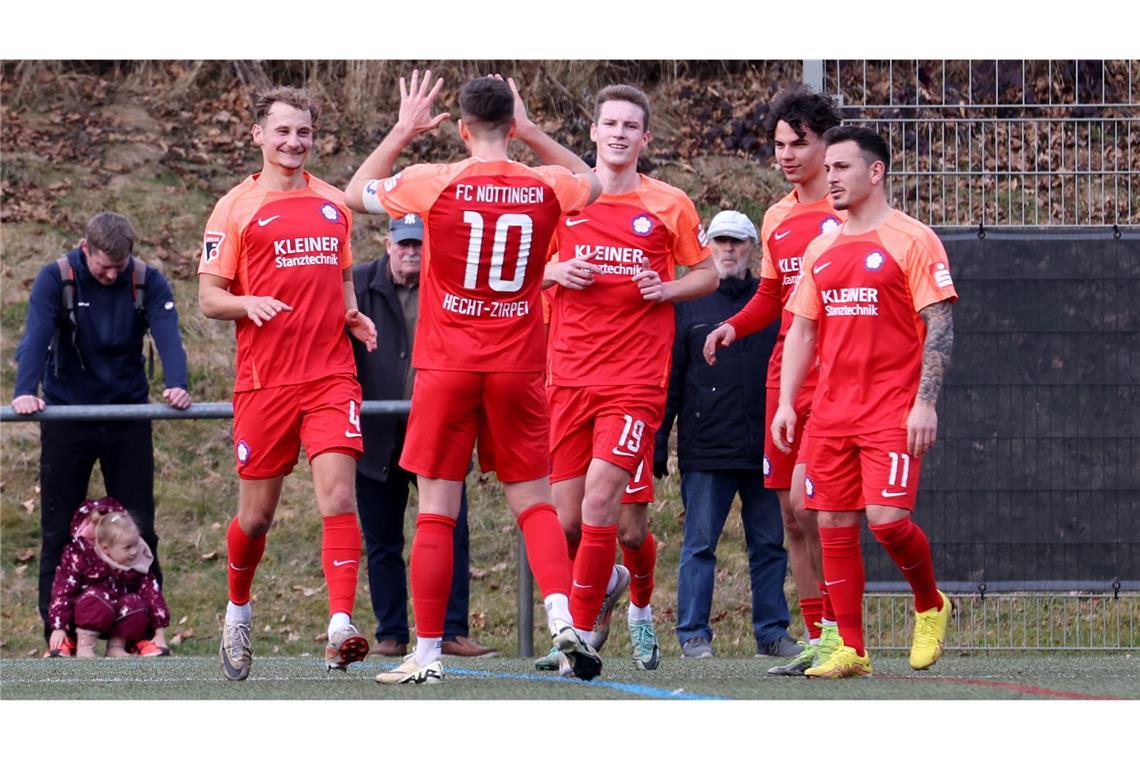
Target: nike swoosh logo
point(635, 490)
point(642, 577)
point(834, 583)
point(821, 267)
point(579, 585)
point(621, 453)
point(778, 236)
point(350, 434)
point(343, 562)
point(575, 222)
point(916, 564)
point(238, 569)
point(892, 494)
point(263, 222)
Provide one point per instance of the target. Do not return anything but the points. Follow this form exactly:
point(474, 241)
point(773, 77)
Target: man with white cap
point(720, 449)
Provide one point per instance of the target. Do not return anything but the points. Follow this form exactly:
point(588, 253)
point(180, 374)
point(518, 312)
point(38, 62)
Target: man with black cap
point(387, 290)
point(720, 449)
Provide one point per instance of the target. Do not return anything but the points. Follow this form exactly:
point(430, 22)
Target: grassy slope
point(195, 485)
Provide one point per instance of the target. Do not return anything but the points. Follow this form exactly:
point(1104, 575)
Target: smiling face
point(285, 137)
point(800, 158)
point(851, 177)
point(619, 133)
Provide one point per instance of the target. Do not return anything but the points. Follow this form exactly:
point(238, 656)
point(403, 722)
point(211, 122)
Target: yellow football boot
point(929, 633)
point(843, 663)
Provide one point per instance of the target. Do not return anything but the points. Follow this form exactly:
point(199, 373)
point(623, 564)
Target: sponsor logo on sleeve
point(642, 225)
point(210, 245)
point(391, 182)
point(941, 275)
point(702, 236)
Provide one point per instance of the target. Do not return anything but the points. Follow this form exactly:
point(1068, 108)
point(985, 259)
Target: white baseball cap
point(733, 224)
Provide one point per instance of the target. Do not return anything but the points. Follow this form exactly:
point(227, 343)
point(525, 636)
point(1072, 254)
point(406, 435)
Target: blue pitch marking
point(629, 688)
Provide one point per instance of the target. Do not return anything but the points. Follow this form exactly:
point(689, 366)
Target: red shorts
point(846, 473)
point(271, 425)
point(614, 423)
point(778, 466)
point(639, 490)
point(504, 411)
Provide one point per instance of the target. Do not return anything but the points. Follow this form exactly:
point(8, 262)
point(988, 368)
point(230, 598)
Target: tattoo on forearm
point(937, 349)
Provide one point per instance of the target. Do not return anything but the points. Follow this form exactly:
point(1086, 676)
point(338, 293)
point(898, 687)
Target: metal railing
point(1000, 143)
point(224, 410)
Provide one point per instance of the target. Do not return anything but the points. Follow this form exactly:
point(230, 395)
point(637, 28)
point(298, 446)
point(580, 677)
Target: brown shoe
point(390, 648)
point(461, 646)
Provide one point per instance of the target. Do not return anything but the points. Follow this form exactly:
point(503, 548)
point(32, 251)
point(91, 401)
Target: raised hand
point(416, 103)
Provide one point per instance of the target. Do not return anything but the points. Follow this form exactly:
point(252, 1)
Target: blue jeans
point(381, 505)
point(708, 497)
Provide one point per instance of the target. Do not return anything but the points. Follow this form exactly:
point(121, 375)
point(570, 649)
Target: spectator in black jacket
point(720, 449)
point(387, 290)
point(86, 347)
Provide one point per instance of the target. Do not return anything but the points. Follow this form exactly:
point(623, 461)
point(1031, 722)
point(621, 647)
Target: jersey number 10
point(498, 251)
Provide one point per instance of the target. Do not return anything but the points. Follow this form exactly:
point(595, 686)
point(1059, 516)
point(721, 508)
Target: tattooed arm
point(922, 424)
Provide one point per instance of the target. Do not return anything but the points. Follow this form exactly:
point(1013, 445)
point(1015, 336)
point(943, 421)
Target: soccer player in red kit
point(276, 260)
point(797, 120)
point(611, 338)
point(479, 344)
point(874, 298)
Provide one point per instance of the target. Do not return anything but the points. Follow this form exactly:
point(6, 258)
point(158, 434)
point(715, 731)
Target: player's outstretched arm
point(799, 353)
point(415, 117)
point(217, 302)
point(922, 423)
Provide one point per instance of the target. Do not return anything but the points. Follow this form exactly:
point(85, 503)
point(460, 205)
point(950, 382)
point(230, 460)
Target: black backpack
point(68, 319)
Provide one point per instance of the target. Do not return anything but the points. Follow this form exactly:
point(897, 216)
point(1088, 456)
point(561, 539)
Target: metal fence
point(1000, 143)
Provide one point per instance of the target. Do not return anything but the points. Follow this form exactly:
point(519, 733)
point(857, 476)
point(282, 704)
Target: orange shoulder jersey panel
point(293, 246)
point(674, 208)
point(922, 257)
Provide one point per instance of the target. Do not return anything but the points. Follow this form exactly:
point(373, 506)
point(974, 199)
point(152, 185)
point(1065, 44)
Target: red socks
point(545, 549)
point(828, 610)
point(243, 555)
point(910, 549)
point(592, 569)
point(432, 559)
point(340, 559)
point(640, 562)
point(812, 610)
point(845, 578)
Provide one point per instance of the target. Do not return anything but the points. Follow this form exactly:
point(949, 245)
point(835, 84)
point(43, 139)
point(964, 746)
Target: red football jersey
point(487, 226)
point(607, 334)
point(789, 227)
point(865, 291)
point(293, 246)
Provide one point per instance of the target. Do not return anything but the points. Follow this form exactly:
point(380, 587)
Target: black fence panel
point(1034, 481)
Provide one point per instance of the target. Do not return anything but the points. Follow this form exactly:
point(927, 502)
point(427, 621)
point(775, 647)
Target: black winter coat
point(720, 409)
point(382, 372)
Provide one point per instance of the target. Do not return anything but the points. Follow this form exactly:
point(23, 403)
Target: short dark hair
point(628, 93)
point(870, 142)
point(110, 233)
point(290, 96)
point(488, 104)
point(799, 106)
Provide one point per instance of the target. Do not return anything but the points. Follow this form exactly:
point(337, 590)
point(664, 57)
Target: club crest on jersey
point(941, 274)
point(210, 245)
point(874, 261)
point(642, 225)
point(809, 486)
point(829, 224)
point(767, 466)
point(330, 212)
point(243, 451)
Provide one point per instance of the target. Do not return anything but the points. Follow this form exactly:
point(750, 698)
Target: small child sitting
point(104, 586)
